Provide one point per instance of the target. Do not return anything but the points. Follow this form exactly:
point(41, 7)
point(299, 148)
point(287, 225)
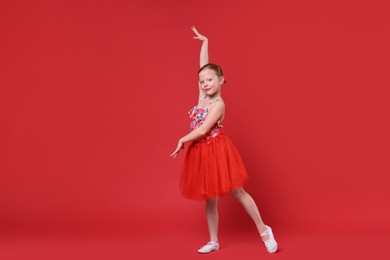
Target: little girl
point(212, 165)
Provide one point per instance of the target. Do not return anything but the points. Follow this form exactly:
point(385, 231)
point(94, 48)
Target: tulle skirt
point(212, 168)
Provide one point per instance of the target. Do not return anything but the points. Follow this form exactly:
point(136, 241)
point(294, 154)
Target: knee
point(212, 202)
point(238, 193)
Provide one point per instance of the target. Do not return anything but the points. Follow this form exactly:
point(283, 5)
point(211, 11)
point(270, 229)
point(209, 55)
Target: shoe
point(270, 243)
point(209, 247)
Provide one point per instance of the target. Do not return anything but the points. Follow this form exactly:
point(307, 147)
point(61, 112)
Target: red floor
point(183, 245)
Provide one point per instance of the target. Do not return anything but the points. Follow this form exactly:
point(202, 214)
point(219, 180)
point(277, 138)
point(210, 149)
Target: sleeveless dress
point(212, 164)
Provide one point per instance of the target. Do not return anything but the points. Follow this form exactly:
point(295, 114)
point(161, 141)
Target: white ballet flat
point(270, 243)
point(209, 247)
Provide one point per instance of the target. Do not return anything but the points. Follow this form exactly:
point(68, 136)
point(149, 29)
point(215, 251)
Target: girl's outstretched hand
point(180, 145)
point(198, 35)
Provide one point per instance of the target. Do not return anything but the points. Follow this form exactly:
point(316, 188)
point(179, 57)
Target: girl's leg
point(250, 206)
point(212, 218)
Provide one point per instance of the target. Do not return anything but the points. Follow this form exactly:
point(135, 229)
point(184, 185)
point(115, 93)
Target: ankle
point(264, 233)
point(262, 228)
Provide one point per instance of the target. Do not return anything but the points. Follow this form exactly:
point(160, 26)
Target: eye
point(201, 82)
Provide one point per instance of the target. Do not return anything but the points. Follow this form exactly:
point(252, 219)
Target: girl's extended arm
point(214, 115)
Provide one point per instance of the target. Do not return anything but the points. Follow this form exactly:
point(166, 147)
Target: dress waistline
point(206, 141)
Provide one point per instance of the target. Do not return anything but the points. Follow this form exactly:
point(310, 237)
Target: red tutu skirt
point(212, 168)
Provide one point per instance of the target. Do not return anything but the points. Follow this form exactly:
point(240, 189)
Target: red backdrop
point(94, 96)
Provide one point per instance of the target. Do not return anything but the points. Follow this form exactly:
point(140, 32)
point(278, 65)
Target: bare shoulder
point(218, 104)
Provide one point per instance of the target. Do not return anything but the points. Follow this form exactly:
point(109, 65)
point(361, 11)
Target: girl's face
point(210, 82)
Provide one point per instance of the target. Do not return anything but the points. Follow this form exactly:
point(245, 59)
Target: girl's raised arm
point(204, 52)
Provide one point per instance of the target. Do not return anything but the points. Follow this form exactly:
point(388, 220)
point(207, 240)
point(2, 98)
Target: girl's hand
point(180, 145)
point(198, 35)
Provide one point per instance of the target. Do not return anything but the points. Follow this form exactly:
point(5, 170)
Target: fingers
point(198, 35)
point(179, 147)
point(195, 31)
point(174, 154)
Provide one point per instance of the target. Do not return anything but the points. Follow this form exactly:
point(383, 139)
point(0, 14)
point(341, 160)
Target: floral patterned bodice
point(197, 116)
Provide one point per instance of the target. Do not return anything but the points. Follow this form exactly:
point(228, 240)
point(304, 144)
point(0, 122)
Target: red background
point(94, 96)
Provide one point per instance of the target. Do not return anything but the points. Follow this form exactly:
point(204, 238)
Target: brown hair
point(213, 67)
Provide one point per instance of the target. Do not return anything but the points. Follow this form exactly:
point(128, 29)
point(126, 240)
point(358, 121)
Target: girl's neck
point(211, 98)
